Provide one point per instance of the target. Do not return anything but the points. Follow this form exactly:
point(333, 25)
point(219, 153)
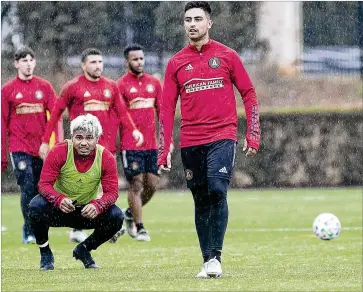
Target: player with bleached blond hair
point(68, 187)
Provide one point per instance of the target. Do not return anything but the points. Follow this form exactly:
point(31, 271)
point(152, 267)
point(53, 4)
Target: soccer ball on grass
point(326, 226)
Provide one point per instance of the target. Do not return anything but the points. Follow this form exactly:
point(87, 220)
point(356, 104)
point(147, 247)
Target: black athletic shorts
point(136, 162)
point(214, 159)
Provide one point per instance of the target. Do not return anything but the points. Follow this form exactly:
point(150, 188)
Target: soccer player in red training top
point(68, 187)
point(25, 101)
point(92, 93)
point(203, 74)
point(141, 93)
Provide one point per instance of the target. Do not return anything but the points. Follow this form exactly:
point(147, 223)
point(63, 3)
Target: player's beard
point(136, 72)
point(93, 76)
point(84, 154)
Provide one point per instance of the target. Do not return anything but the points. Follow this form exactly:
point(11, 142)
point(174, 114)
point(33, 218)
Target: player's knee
point(151, 181)
point(217, 188)
point(136, 185)
point(150, 189)
point(200, 196)
point(37, 206)
point(116, 217)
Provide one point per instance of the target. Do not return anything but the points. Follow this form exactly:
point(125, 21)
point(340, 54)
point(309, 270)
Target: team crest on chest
point(107, 93)
point(19, 95)
point(150, 88)
point(38, 94)
point(214, 62)
point(87, 94)
point(133, 90)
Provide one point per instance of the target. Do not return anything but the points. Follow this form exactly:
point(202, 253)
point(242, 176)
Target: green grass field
point(269, 246)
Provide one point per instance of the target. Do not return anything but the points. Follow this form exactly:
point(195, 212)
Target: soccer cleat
point(77, 235)
point(142, 235)
point(214, 268)
point(203, 273)
point(119, 233)
point(46, 261)
point(130, 225)
point(81, 253)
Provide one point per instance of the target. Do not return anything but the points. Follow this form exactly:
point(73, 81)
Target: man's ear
point(210, 23)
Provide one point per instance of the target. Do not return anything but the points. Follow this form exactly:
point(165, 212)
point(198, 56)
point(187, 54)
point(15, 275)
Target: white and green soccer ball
point(326, 226)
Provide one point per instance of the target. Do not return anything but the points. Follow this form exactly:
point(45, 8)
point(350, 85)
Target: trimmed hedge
point(297, 150)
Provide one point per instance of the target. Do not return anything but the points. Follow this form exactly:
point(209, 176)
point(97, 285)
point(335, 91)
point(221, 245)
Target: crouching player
point(68, 186)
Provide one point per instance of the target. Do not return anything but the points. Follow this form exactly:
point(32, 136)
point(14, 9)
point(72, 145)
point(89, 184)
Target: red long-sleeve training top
point(142, 95)
point(57, 157)
point(23, 115)
point(99, 98)
point(204, 81)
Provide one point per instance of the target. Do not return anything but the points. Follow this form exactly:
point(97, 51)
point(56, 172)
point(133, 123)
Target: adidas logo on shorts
point(223, 170)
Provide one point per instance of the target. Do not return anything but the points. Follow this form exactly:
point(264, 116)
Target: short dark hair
point(198, 4)
point(23, 52)
point(88, 52)
point(133, 47)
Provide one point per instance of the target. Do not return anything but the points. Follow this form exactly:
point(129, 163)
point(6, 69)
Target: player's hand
point(43, 150)
point(89, 211)
point(66, 206)
point(167, 167)
point(250, 151)
point(164, 168)
point(139, 137)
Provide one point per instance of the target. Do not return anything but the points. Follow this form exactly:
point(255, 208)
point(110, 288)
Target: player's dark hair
point(133, 47)
point(88, 52)
point(198, 4)
point(23, 52)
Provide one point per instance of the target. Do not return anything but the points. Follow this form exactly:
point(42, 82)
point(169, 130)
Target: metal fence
point(314, 60)
point(331, 60)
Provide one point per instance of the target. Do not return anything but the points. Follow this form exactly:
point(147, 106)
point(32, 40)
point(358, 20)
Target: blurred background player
point(3, 156)
point(68, 187)
point(92, 93)
point(141, 93)
point(203, 75)
point(25, 101)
